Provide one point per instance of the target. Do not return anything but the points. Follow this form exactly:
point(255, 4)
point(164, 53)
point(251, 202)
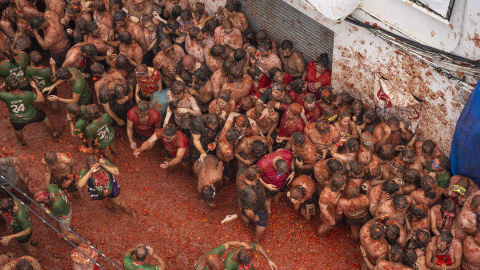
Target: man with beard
point(183, 107)
point(292, 60)
point(223, 105)
point(228, 35)
point(251, 200)
point(202, 89)
point(238, 83)
point(392, 131)
point(144, 121)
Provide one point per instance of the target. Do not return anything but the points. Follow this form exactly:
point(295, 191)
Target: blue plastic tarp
point(465, 151)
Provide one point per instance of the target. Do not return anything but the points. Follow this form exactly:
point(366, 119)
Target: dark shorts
point(358, 221)
point(39, 117)
point(270, 194)
point(263, 218)
point(140, 136)
point(229, 168)
point(26, 239)
point(59, 181)
point(60, 56)
point(185, 159)
point(54, 92)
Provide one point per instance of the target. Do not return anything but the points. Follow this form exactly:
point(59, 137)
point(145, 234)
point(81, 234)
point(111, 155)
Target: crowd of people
point(234, 107)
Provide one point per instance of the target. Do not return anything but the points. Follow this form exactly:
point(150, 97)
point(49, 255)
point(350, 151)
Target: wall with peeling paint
point(358, 54)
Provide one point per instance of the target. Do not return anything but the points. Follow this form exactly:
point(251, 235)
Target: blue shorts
point(263, 218)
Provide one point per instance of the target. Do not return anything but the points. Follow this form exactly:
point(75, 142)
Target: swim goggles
point(459, 189)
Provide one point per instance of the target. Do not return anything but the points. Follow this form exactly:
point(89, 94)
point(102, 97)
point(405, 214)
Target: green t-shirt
point(19, 105)
point(7, 68)
point(443, 180)
point(130, 264)
point(20, 220)
point(59, 205)
point(80, 86)
point(102, 180)
point(101, 131)
point(230, 260)
point(42, 76)
point(201, 265)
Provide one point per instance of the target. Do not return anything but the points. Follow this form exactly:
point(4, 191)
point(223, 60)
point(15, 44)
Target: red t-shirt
point(180, 141)
point(148, 128)
point(269, 173)
point(325, 78)
point(262, 83)
point(287, 79)
point(287, 129)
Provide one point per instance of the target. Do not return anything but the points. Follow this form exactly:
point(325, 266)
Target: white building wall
point(358, 54)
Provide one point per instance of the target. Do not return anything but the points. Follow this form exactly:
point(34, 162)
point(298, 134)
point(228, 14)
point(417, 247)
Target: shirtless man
point(460, 188)
point(215, 55)
point(276, 96)
point(265, 59)
point(266, 118)
point(193, 44)
point(238, 84)
point(367, 148)
point(227, 139)
point(139, 8)
point(250, 149)
point(223, 105)
point(471, 253)
point(381, 193)
point(328, 201)
point(350, 152)
point(122, 23)
point(170, 4)
point(419, 219)
point(233, 14)
point(411, 179)
point(167, 60)
point(301, 193)
point(395, 260)
point(355, 207)
point(395, 233)
point(209, 173)
point(429, 194)
point(102, 78)
point(175, 144)
point(228, 36)
point(94, 36)
point(24, 262)
point(392, 131)
point(130, 48)
point(103, 18)
point(202, 89)
point(60, 170)
point(373, 245)
point(54, 37)
point(78, 55)
point(443, 217)
point(323, 135)
point(251, 200)
point(427, 151)
point(324, 169)
point(182, 105)
point(262, 36)
point(29, 9)
point(292, 60)
point(219, 77)
point(11, 178)
point(396, 208)
point(444, 252)
point(467, 220)
point(304, 152)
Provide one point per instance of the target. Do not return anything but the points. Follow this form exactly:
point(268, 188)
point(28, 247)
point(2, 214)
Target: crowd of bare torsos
point(243, 109)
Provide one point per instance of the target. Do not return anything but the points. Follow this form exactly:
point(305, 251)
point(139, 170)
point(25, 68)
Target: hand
point(180, 39)
point(17, 35)
point(256, 219)
point(202, 156)
point(271, 187)
point(52, 62)
point(386, 196)
point(317, 85)
point(65, 184)
point(156, 16)
point(443, 267)
point(102, 162)
point(137, 152)
point(133, 145)
point(165, 165)
point(150, 249)
point(402, 126)
point(398, 181)
point(33, 84)
point(133, 19)
point(248, 162)
point(69, 31)
point(387, 130)
point(182, 110)
point(362, 250)
point(7, 239)
point(433, 175)
point(47, 89)
point(220, 10)
point(399, 147)
point(63, 21)
point(252, 122)
point(120, 122)
point(290, 177)
point(53, 98)
point(272, 265)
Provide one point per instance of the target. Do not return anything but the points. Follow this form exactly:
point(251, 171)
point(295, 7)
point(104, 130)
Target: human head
point(443, 162)
point(142, 108)
point(444, 240)
point(287, 48)
point(250, 37)
point(99, 5)
point(322, 62)
point(395, 253)
point(169, 132)
point(74, 109)
point(73, 8)
point(294, 110)
point(227, 25)
point(232, 6)
point(299, 86)
point(322, 126)
point(369, 116)
point(63, 74)
point(398, 165)
point(208, 194)
point(125, 37)
point(344, 118)
point(412, 175)
point(275, 74)
point(309, 101)
point(239, 55)
point(6, 204)
point(50, 157)
point(390, 186)
point(115, 5)
point(357, 108)
point(298, 138)
point(344, 99)
point(259, 148)
point(141, 253)
point(281, 166)
point(448, 208)
point(428, 184)
point(265, 48)
point(386, 152)
point(428, 147)
point(254, 72)
point(419, 211)
point(326, 94)
point(400, 202)
point(92, 112)
point(461, 186)
point(262, 36)
point(410, 258)
point(195, 33)
point(11, 83)
point(209, 27)
point(475, 204)
point(297, 193)
point(119, 18)
point(352, 145)
point(377, 231)
point(247, 103)
point(392, 232)
point(212, 120)
point(177, 88)
point(252, 173)
point(408, 155)
point(224, 95)
point(172, 26)
point(38, 22)
point(393, 123)
point(217, 51)
point(337, 181)
point(97, 68)
point(122, 62)
point(367, 139)
point(422, 237)
point(176, 11)
point(36, 58)
point(235, 72)
point(233, 135)
point(89, 50)
point(24, 264)
point(356, 168)
point(278, 88)
point(243, 257)
point(334, 165)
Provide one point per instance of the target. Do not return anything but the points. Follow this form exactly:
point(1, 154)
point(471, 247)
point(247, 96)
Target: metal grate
point(282, 21)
